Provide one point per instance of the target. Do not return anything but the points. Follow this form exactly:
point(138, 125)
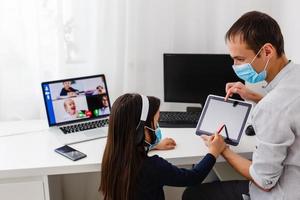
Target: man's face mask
point(157, 137)
point(247, 72)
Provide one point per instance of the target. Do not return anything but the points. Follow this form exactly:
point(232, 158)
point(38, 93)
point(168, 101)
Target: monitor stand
point(193, 109)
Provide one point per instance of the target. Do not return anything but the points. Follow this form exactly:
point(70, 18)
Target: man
point(105, 106)
point(256, 45)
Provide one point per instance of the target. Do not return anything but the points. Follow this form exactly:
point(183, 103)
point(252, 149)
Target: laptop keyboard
point(179, 119)
point(83, 126)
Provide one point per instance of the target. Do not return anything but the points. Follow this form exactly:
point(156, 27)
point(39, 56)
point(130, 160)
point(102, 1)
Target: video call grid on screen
point(86, 98)
point(233, 114)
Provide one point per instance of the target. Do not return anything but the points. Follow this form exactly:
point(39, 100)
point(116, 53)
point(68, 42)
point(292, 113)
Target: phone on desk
point(70, 153)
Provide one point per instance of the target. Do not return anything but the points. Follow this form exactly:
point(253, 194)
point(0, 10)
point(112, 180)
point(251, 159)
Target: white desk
point(30, 157)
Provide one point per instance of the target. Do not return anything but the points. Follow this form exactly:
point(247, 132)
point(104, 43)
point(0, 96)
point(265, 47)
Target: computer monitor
point(190, 78)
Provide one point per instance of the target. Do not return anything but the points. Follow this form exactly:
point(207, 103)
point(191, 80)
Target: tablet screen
point(216, 112)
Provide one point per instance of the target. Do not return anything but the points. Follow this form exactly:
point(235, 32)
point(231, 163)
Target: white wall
point(190, 26)
point(125, 39)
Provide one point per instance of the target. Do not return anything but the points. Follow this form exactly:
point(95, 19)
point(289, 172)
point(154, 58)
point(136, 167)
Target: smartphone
point(70, 153)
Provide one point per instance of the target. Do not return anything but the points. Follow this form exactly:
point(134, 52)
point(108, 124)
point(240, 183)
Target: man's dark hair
point(257, 28)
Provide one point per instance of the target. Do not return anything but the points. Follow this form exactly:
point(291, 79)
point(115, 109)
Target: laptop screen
point(76, 99)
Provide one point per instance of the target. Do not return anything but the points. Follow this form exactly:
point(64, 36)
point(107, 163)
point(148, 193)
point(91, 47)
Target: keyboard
point(83, 126)
point(179, 119)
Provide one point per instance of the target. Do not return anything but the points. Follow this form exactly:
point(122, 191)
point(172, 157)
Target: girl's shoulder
point(157, 162)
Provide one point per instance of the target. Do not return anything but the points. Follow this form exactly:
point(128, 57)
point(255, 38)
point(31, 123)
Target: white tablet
point(231, 113)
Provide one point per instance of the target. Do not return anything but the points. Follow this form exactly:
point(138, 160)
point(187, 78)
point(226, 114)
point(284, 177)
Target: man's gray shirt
point(276, 121)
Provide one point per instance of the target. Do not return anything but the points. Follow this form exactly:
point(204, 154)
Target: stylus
point(226, 131)
point(220, 129)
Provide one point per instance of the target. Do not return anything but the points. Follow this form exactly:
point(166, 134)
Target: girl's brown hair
point(123, 156)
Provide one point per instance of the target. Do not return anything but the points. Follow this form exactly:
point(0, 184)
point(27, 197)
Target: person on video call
point(105, 106)
point(67, 90)
point(255, 43)
point(100, 90)
point(71, 110)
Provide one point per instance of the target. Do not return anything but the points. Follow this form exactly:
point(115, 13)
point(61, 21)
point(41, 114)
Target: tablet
point(231, 113)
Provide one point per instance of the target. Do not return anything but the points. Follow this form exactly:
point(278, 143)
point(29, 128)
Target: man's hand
point(243, 91)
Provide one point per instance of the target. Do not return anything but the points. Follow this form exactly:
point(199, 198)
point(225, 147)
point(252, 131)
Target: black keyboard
point(84, 126)
point(179, 119)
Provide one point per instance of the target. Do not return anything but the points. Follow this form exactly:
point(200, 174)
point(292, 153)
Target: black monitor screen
point(190, 78)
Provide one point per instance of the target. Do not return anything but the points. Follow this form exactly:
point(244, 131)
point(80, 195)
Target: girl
point(127, 171)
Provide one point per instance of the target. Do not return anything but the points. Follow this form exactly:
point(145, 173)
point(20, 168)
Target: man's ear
point(269, 50)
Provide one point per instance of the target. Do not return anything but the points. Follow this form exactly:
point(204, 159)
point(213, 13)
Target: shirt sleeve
point(174, 176)
point(274, 136)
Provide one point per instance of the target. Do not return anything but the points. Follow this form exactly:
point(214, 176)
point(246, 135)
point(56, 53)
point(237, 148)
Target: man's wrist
point(226, 152)
point(257, 97)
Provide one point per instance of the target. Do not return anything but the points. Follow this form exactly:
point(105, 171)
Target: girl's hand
point(215, 143)
point(166, 144)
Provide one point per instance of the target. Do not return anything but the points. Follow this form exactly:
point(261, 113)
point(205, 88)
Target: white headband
point(145, 108)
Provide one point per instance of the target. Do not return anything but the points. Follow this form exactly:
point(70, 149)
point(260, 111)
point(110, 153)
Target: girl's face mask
point(157, 137)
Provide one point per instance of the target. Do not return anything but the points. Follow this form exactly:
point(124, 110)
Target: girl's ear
point(147, 135)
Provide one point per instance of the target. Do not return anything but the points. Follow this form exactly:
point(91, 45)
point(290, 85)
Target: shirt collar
point(283, 72)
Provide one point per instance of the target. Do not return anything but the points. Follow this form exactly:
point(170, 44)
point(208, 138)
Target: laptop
point(77, 108)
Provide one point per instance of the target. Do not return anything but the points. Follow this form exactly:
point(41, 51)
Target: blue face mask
point(247, 72)
point(158, 137)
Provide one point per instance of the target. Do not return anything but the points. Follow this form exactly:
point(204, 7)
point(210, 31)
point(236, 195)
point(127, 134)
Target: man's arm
point(240, 89)
point(240, 164)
